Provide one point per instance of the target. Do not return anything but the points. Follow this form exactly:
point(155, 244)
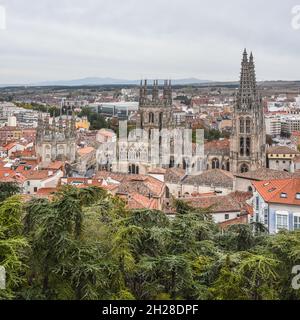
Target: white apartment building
point(290, 123)
point(273, 125)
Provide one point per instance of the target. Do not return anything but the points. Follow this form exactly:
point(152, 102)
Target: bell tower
point(248, 140)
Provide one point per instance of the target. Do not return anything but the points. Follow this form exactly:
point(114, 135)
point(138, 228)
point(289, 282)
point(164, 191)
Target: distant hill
point(112, 81)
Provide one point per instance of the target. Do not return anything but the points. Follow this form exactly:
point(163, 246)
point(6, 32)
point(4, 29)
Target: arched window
point(242, 125)
point(215, 163)
point(228, 166)
point(133, 169)
point(160, 120)
point(242, 147)
point(248, 147)
point(244, 168)
point(248, 126)
point(167, 193)
point(151, 117)
point(131, 154)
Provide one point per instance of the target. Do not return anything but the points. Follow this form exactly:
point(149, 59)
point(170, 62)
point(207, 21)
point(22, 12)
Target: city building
point(273, 125)
point(281, 158)
point(277, 204)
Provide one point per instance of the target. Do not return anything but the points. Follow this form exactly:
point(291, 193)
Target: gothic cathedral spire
point(248, 140)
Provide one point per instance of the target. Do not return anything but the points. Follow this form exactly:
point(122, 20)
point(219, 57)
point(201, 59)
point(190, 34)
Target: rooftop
point(264, 174)
point(285, 191)
point(215, 177)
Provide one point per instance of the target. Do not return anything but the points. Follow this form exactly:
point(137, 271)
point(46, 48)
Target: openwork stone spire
point(247, 95)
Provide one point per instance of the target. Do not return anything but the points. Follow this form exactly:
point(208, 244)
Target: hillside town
point(249, 170)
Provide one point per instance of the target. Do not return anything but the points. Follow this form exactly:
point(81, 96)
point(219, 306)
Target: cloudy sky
point(130, 39)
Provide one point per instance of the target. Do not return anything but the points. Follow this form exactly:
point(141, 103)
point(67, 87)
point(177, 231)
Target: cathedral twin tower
point(248, 140)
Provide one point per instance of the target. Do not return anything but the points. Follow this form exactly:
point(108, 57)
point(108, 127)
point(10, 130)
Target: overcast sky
point(130, 39)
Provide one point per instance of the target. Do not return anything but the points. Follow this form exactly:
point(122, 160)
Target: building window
point(242, 146)
point(35, 189)
point(248, 147)
point(215, 164)
point(282, 222)
point(133, 169)
point(297, 222)
point(283, 195)
point(244, 168)
point(151, 117)
point(242, 125)
point(227, 216)
point(257, 203)
point(248, 126)
point(266, 217)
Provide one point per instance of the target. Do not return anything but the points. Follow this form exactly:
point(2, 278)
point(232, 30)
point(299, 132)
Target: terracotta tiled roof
point(217, 147)
point(240, 220)
point(285, 191)
point(220, 204)
point(137, 201)
point(8, 175)
point(115, 176)
point(174, 175)
point(158, 171)
point(10, 146)
point(85, 151)
point(215, 177)
point(264, 174)
point(282, 150)
point(56, 165)
point(37, 174)
point(145, 185)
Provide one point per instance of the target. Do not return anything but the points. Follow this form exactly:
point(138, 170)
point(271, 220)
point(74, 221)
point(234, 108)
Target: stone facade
point(155, 116)
point(56, 141)
point(248, 140)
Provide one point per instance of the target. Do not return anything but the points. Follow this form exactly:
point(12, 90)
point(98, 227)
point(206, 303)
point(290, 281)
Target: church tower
point(155, 113)
point(248, 140)
point(56, 141)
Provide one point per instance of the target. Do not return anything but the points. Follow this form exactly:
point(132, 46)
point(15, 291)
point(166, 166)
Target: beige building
point(281, 158)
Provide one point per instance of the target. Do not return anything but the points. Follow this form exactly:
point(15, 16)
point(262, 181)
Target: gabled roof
point(215, 177)
point(174, 175)
point(283, 191)
point(262, 174)
point(282, 150)
point(234, 202)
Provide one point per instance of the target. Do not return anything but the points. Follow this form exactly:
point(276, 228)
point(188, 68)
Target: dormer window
point(283, 195)
point(298, 196)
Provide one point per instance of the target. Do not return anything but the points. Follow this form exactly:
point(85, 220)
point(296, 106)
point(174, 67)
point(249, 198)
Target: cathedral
point(155, 113)
point(56, 141)
point(244, 152)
